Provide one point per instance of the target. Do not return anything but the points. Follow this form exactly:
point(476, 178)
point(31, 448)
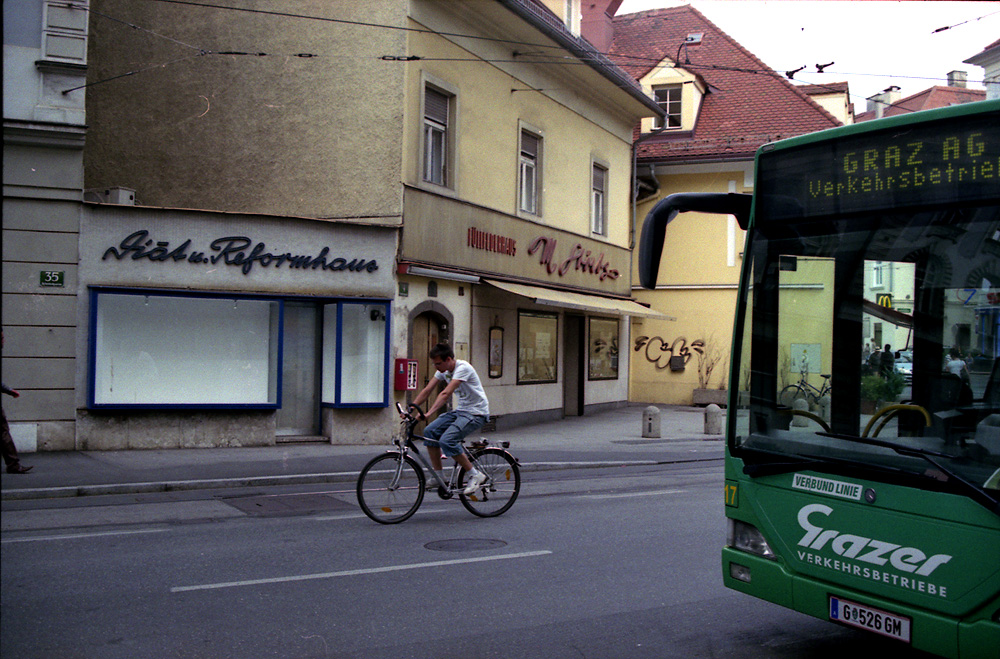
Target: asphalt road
point(588, 563)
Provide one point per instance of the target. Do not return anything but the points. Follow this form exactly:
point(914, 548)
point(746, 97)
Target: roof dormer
point(678, 92)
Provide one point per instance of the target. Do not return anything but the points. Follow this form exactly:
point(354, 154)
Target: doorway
point(427, 330)
point(300, 386)
point(574, 356)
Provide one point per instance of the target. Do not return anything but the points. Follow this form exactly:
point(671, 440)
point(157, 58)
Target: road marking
point(77, 536)
point(654, 493)
point(352, 573)
point(327, 518)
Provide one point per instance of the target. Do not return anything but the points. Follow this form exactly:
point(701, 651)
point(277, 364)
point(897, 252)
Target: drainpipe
point(635, 179)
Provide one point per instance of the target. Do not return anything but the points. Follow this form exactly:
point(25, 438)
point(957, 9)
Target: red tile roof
point(935, 97)
point(748, 104)
point(828, 88)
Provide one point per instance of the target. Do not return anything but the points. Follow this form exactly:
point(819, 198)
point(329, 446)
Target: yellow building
point(721, 104)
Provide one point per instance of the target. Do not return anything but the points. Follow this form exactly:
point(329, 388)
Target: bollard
point(651, 421)
point(713, 419)
point(824, 407)
point(803, 406)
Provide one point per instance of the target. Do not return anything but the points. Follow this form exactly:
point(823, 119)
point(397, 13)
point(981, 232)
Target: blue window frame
point(156, 349)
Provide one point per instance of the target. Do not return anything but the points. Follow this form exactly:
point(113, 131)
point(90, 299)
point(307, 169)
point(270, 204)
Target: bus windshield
point(867, 340)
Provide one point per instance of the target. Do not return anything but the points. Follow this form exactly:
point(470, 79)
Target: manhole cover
point(464, 544)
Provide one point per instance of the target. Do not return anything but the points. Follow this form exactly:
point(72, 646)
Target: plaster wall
point(309, 128)
point(492, 106)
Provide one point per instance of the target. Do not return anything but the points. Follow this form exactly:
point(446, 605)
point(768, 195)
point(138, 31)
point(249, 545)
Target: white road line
point(352, 573)
point(654, 493)
point(328, 518)
point(77, 536)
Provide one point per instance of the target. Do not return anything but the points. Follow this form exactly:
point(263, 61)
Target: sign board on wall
point(448, 232)
point(170, 248)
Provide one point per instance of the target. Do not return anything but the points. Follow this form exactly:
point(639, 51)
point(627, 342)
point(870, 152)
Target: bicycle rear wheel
point(390, 492)
point(790, 393)
point(503, 483)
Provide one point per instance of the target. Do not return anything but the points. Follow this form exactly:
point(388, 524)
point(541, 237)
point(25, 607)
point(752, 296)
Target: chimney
point(879, 103)
point(595, 25)
point(957, 79)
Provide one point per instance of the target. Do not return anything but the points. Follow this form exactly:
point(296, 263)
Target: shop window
point(355, 354)
point(151, 349)
point(603, 349)
point(537, 347)
point(155, 350)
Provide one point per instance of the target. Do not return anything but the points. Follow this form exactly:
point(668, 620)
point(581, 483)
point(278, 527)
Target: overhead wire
point(619, 59)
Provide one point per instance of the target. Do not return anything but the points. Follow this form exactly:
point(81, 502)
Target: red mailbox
point(406, 375)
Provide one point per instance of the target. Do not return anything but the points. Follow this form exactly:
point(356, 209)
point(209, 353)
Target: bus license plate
point(874, 620)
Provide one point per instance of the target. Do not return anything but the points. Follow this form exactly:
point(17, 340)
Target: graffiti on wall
point(658, 350)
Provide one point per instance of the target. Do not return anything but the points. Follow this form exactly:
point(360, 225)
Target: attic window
point(669, 98)
point(694, 38)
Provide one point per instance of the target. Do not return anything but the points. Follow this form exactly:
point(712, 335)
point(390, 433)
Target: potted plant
point(876, 391)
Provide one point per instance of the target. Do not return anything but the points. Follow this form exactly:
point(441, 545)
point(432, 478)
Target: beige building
point(342, 185)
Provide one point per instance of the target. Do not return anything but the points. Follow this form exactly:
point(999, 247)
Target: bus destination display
point(908, 166)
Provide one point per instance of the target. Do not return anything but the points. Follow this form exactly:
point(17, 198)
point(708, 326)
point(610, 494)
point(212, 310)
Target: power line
point(623, 59)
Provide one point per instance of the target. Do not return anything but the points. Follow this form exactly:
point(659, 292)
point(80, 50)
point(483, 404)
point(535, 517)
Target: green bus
point(855, 492)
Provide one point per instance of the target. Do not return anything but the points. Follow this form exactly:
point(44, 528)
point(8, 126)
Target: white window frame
point(435, 140)
point(672, 107)
point(599, 199)
point(529, 172)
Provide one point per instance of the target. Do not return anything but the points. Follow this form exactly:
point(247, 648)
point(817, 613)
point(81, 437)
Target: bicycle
point(391, 486)
point(805, 391)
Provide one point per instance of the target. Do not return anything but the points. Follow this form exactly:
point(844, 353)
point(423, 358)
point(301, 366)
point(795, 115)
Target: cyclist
point(450, 428)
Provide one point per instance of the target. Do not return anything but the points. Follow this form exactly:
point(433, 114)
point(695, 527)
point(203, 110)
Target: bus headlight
point(746, 537)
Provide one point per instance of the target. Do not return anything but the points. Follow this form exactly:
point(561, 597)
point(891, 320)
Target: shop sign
point(233, 251)
point(579, 259)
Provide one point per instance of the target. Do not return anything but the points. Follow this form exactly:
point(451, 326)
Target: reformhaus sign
point(235, 251)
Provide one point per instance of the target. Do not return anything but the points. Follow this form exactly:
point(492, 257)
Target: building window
point(355, 354)
point(878, 279)
point(437, 111)
point(154, 350)
point(528, 177)
point(668, 98)
point(537, 347)
point(64, 35)
point(599, 200)
point(603, 351)
point(151, 349)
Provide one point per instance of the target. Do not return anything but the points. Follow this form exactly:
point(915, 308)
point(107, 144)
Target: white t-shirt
point(470, 394)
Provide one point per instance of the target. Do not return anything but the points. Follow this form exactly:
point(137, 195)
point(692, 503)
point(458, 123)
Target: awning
point(567, 300)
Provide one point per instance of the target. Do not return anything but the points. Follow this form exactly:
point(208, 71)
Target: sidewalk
point(602, 439)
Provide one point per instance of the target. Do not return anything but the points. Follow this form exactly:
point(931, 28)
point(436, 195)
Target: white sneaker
point(477, 480)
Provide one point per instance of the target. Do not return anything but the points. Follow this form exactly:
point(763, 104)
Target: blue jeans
point(450, 428)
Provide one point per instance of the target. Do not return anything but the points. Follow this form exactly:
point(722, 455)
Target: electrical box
point(406, 375)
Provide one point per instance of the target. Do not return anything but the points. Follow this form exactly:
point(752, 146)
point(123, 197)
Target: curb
point(61, 492)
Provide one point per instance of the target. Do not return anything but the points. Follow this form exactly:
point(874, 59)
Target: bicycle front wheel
point(391, 488)
point(503, 482)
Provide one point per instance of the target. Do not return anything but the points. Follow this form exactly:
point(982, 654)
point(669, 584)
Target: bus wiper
point(976, 493)
point(759, 469)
